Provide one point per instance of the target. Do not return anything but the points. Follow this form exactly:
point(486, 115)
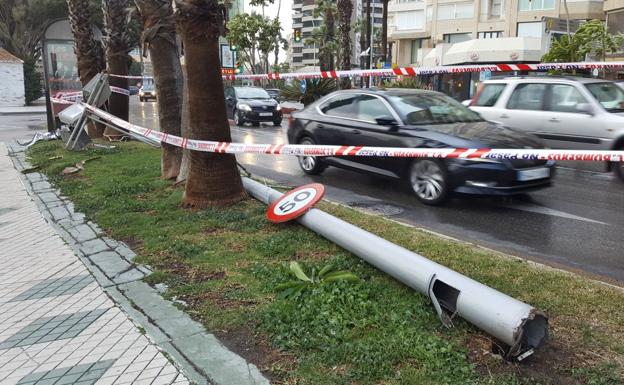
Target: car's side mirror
point(585, 108)
point(387, 121)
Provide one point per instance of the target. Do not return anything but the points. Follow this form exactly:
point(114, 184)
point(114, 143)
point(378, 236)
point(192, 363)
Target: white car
point(567, 112)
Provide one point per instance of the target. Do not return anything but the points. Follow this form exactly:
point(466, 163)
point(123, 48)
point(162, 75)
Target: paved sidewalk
point(57, 325)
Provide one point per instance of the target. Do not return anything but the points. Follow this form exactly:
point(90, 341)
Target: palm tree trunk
point(186, 131)
point(277, 45)
point(86, 49)
point(384, 32)
point(330, 29)
point(159, 37)
point(345, 9)
point(213, 179)
point(369, 31)
point(117, 47)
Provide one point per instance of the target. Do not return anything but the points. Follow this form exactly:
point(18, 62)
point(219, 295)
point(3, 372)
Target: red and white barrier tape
point(318, 150)
point(416, 71)
point(62, 101)
point(76, 96)
point(119, 90)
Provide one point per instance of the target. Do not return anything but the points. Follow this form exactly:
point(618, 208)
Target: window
point(453, 38)
point(496, 7)
point(455, 11)
point(416, 45)
point(529, 96)
point(565, 98)
point(489, 35)
point(535, 5)
point(410, 20)
point(609, 95)
point(533, 29)
point(489, 94)
point(341, 106)
point(433, 108)
point(429, 13)
point(370, 108)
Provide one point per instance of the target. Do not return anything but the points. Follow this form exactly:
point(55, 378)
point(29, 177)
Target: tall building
point(614, 10)
point(306, 56)
point(438, 32)
point(427, 33)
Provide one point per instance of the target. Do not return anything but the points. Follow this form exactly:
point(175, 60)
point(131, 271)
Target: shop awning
point(498, 50)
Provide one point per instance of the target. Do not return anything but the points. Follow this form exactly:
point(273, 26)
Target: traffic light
point(233, 48)
point(297, 35)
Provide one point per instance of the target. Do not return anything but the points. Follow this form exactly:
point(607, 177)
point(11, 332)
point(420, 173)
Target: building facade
point(424, 31)
point(12, 84)
point(306, 56)
point(614, 10)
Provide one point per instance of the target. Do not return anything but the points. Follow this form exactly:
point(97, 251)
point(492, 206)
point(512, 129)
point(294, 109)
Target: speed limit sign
point(295, 203)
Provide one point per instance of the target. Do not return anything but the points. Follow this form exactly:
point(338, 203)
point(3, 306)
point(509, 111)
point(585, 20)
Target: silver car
point(568, 113)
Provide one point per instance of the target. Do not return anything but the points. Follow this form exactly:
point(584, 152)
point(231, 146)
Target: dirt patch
point(133, 243)
point(194, 274)
point(312, 256)
point(256, 348)
point(551, 364)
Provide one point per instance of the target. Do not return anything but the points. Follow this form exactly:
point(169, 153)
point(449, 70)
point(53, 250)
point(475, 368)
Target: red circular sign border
point(320, 192)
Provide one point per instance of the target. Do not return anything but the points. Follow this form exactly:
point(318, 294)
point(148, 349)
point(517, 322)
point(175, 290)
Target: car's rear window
point(489, 94)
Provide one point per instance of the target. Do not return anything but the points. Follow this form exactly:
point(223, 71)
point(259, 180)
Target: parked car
point(274, 93)
point(568, 113)
point(134, 90)
point(417, 119)
point(252, 104)
point(147, 92)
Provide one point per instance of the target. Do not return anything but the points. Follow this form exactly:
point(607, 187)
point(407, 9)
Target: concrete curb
point(197, 353)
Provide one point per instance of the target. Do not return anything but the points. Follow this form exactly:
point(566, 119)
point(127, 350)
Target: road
point(575, 225)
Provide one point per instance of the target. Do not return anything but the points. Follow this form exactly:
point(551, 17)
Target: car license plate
point(266, 114)
point(534, 173)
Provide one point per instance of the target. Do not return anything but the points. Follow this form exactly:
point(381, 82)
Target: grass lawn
point(225, 265)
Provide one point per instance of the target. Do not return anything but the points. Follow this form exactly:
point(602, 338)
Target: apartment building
point(445, 32)
point(614, 10)
point(306, 56)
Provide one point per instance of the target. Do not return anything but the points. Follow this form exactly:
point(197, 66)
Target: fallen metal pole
point(520, 326)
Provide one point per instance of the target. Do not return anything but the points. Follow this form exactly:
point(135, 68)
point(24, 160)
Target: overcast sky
point(271, 11)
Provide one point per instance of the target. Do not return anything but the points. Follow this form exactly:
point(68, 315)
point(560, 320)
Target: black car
point(417, 119)
point(252, 104)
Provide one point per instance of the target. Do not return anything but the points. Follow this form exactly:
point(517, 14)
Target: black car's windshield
point(252, 93)
point(430, 108)
point(609, 95)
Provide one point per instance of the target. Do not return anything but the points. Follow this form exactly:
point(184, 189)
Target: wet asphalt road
point(575, 225)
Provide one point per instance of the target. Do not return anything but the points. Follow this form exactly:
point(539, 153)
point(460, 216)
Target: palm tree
point(159, 38)
point(327, 48)
point(384, 32)
point(86, 48)
point(117, 45)
point(213, 179)
point(345, 9)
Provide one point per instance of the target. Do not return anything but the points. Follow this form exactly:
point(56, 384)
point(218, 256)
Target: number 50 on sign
point(295, 203)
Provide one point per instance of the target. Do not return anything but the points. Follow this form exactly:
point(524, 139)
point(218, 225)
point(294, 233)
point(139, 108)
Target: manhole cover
point(377, 208)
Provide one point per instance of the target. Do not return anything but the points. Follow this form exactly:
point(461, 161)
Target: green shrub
point(32, 81)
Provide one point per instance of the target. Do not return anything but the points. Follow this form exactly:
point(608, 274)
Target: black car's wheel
point(237, 118)
point(428, 179)
point(311, 165)
point(141, 99)
point(618, 168)
point(277, 122)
